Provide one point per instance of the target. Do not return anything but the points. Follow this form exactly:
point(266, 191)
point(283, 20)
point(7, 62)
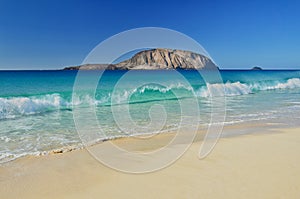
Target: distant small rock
point(256, 68)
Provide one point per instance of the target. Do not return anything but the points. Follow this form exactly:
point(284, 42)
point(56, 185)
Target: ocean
point(37, 107)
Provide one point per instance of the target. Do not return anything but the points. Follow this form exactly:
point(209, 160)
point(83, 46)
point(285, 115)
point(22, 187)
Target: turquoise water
point(36, 107)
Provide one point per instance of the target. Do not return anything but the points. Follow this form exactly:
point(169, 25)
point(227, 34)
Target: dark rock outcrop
point(256, 68)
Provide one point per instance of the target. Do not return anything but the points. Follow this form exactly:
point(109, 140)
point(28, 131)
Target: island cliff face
point(156, 59)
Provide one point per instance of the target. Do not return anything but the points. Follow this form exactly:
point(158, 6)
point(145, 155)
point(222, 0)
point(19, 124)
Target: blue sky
point(41, 34)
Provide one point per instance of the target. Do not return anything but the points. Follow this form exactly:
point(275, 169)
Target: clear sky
point(41, 34)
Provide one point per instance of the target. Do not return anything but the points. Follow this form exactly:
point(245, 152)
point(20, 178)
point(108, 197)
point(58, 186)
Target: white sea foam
point(289, 84)
point(238, 88)
point(228, 89)
point(7, 157)
point(12, 107)
point(161, 88)
point(5, 139)
point(18, 106)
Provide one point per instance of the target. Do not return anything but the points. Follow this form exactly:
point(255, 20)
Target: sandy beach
point(149, 99)
point(261, 165)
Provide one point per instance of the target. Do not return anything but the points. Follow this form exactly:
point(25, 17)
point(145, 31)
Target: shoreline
point(252, 166)
point(251, 128)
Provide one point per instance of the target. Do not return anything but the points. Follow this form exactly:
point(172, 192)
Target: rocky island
point(156, 59)
point(256, 68)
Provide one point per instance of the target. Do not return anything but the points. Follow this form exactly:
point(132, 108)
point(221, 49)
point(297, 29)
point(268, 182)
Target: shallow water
point(37, 107)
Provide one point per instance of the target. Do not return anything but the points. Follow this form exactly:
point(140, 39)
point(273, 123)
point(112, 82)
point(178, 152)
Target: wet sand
point(260, 165)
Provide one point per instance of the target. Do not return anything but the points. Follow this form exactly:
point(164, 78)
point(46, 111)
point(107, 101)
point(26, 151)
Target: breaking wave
point(21, 106)
point(238, 88)
point(16, 106)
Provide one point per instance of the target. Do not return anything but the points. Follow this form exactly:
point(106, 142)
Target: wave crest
point(19, 106)
point(12, 107)
point(238, 88)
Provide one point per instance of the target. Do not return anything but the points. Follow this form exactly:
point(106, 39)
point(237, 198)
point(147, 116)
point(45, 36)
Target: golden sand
point(250, 166)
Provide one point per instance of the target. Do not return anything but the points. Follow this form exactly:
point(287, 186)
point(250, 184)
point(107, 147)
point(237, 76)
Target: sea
point(37, 107)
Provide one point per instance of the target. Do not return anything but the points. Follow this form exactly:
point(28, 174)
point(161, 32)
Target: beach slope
point(250, 166)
